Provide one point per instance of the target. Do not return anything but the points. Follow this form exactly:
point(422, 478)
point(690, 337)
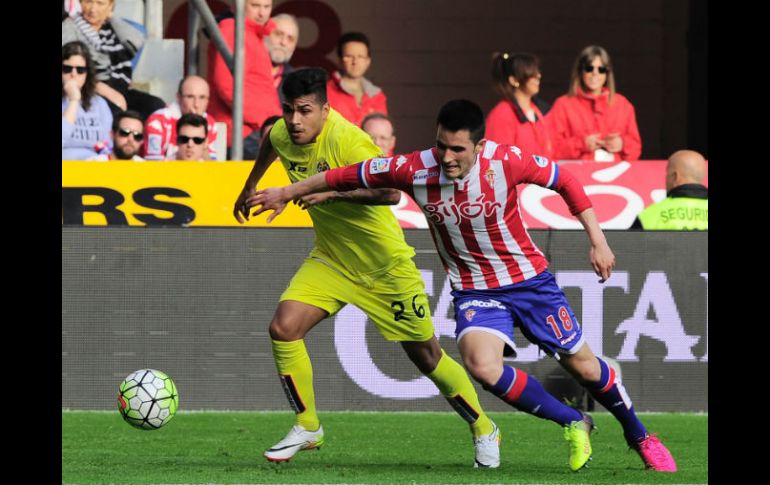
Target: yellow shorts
point(396, 301)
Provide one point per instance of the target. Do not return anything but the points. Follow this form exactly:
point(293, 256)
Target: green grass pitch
point(364, 448)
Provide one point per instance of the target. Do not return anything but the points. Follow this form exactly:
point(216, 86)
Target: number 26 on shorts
point(399, 308)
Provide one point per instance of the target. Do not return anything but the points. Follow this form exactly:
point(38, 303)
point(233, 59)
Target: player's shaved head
point(685, 167)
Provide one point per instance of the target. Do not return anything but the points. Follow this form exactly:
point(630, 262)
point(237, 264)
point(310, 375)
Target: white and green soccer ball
point(148, 399)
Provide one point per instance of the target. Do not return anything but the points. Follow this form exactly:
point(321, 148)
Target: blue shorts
point(537, 306)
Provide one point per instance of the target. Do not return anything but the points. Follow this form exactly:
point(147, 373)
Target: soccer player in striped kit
point(466, 186)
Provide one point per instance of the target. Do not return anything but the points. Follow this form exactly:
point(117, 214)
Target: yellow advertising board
point(96, 193)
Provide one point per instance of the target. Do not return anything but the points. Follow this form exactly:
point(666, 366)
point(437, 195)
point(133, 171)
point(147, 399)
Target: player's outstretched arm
point(316, 189)
point(276, 198)
point(366, 196)
point(265, 157)
point(602, 258)
point(357, 196)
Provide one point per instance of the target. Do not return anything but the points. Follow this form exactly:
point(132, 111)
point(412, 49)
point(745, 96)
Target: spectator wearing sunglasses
point(85, 116)
point(593, 121)
point(191, 136)
point(518, 119)
point(127, 137)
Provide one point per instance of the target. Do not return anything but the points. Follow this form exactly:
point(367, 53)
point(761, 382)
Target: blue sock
point(525, 393)
point(611, 394)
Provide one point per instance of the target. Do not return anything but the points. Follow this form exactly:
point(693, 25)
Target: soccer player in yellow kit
point(360, 257)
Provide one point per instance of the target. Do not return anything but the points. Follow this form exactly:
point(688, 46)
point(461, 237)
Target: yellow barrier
point(176, 193)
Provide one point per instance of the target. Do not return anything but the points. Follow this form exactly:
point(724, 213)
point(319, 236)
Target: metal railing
point(199, 11)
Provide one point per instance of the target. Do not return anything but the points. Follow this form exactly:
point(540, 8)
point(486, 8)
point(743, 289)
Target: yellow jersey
point(363, 241)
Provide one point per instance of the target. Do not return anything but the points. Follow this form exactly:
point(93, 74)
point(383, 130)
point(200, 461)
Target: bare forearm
point(265, 157)
point(370, 196)
point(601, 256)
point(311, 185)
point(257, 171)
point(113, 95)
point(588, 219)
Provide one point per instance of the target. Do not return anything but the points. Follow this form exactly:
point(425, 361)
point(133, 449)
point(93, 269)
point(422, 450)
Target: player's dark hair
point(303, 82)
point(461, 114)
point(352, 37)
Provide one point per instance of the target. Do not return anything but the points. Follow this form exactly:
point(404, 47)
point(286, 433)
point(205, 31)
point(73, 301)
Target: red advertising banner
point(618, 191)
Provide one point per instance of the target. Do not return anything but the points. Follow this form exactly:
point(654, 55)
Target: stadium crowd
point(591, 121)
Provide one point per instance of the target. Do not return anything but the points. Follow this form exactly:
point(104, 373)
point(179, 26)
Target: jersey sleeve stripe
point(489, 149)
point(554, 175)
point(362, 174)
point(427, 158)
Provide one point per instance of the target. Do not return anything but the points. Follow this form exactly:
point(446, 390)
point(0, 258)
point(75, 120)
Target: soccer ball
point(147, 399)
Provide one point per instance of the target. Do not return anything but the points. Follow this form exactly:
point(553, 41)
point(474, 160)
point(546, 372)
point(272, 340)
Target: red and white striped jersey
point(475, 221)
point(160, 134)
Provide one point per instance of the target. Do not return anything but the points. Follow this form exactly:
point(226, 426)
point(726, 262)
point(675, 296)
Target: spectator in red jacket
point(260, 99)
point(348, 91)
point(593, 121)
point(281, 44)
point(518, 119)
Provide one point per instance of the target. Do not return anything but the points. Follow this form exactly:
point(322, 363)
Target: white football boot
point(488, 449)
point(296, 440)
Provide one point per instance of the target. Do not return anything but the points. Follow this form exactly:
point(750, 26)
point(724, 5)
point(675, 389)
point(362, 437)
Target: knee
point(587, 371)
point(484, 372)
point(283, 331)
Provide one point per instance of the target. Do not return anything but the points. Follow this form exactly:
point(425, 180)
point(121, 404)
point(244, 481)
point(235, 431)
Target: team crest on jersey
point(490, 176)
point(400, 161)
point(540, 161)
point(469, 313)
point(322, 166)
point(379, 165)
point(296, 167)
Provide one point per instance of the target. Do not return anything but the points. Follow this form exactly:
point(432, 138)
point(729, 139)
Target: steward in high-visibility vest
point(685, 208)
